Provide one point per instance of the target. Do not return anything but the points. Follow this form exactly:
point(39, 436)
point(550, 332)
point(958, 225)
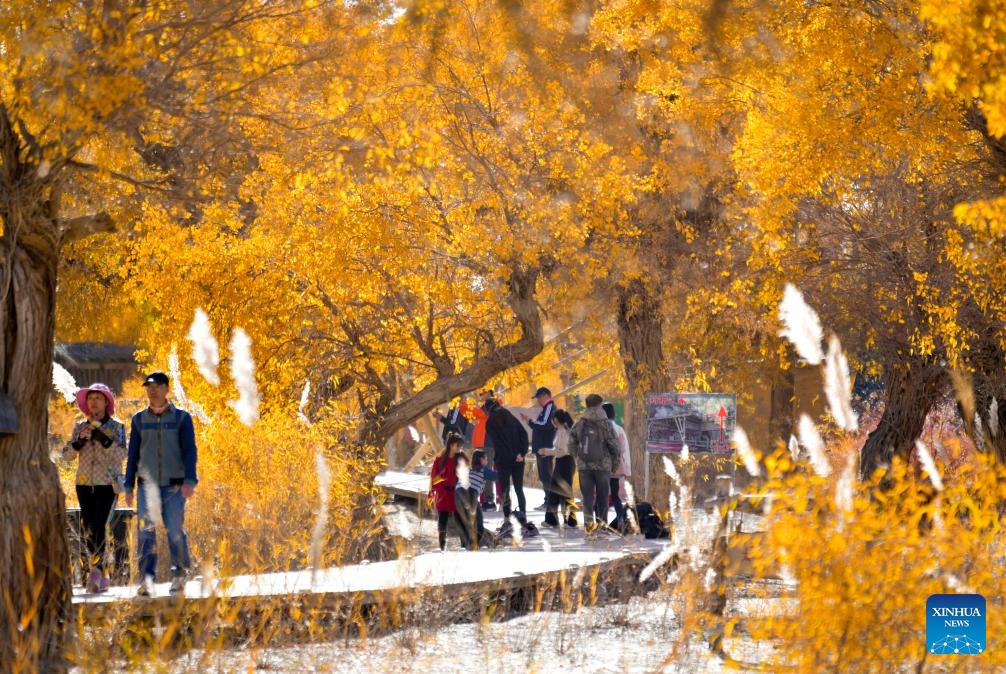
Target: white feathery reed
point(838, 386)
point(684, 453)
point(321, 519)
point(463, 471)
point(678, 505)
point(243, 371)
point(938, 524)
point(205, 350)
point(404, 526)
point(844, 485)
point(994, 418)
point(662, 558)
point(64, 382)
point(630, 499)
point(746, 453)
point(546, 546)
point(794, 448)
point(811, 439)
point(672, 507)
point(178, 391)
point(979, 435)
point(710, 579)
point(928, 465)
point(671, 470)
point(802, 327)
point(152, 493)
point(175, 370)
point(305, 395)
point(518, 533)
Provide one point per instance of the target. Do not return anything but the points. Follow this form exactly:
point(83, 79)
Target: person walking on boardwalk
point(542, 432)
point(596, 456)
point(559, 497)
point(98, 442)
point(510, 443)
point(443, 480)
point(162, 461)
point(467, 494)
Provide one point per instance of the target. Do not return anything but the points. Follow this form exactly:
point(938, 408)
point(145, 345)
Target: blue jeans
point(173, 514)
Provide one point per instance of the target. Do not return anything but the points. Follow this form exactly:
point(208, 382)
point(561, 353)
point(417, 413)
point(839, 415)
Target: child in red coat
point(443, 480)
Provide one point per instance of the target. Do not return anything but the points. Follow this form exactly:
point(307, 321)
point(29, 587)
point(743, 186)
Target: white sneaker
point(177, 585)
point(146, 588)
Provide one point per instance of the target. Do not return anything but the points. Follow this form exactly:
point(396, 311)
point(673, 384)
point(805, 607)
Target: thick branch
point(85, 226)
point(521, 298)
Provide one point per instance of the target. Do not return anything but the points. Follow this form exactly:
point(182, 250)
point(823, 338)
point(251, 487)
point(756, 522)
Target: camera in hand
point(98, 436)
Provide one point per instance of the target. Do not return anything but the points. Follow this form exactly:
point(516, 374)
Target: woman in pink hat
point(99, 443)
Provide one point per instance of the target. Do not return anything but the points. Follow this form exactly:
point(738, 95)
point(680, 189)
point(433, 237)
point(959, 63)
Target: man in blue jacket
point(162, 459)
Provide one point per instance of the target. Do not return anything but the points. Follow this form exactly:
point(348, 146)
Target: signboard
point(704, 422)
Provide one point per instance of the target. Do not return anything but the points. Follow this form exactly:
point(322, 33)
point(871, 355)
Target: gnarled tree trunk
point(34, 559)
point(910, 393)
point(640, 338)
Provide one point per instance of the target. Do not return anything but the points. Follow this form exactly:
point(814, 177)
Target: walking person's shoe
point(571, 520)
point(177, 586)
point(146, 588)
point(505, 530)
point(551, 520)
point(529, 530)
point(489, 507)
point(93, 582)
point(103, 584)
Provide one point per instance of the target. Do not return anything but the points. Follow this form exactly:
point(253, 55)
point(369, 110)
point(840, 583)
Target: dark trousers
point(515, 474)
point(594, 487)
point(544, 465)
point(95, 510)
point(470, 517)
point(617, 501)
point(443, 516)
point(560, 491)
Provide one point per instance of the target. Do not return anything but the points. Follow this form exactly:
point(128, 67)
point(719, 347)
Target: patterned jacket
point(99, 460)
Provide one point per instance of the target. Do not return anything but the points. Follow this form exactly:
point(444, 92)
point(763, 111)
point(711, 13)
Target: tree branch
point(79, 228)
point(521, 298)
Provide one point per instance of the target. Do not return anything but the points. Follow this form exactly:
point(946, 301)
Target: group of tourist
point(160, 459)
point(595, 448)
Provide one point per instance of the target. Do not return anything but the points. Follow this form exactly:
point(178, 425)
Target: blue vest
point(160, 451)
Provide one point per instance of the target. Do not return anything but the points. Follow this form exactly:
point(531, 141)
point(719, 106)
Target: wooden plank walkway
point(552, 565)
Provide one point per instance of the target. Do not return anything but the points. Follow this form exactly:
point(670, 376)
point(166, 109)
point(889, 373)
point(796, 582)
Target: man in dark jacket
point(162, 459)
point(510, 443)
point(542, 435)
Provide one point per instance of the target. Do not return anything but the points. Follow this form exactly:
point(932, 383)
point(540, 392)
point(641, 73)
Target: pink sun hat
point(107, 392)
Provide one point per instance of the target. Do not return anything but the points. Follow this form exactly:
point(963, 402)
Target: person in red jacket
point(443, 480)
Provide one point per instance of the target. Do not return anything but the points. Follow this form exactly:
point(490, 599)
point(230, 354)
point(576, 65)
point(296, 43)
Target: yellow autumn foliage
point(858, 565)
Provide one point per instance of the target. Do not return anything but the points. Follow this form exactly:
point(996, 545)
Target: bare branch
point(79, 228)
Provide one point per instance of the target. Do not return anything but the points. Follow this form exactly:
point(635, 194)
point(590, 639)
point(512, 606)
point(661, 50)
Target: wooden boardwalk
point(550, 570)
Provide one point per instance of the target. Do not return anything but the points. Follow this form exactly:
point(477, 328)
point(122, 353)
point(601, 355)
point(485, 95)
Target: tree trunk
point(34, 557)
point(640, 338)
point(910, 393)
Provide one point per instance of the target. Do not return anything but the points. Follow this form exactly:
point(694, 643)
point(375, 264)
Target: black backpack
point(650, 523)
